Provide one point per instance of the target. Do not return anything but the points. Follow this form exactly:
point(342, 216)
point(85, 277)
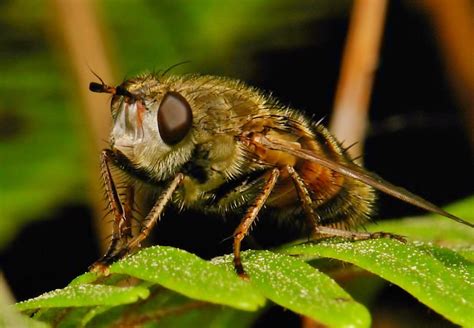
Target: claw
point(100, 268)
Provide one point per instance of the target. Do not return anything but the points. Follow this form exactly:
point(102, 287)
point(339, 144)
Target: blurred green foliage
point(40, 152)
point(216, 37)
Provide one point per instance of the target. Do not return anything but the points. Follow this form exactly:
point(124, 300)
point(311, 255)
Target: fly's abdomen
point(338, 200)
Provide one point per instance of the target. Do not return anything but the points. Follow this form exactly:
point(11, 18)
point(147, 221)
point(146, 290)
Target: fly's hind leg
point(314, 222)
point(327, 232)
point(250, 217)
point(122, 212)
point(312, 217)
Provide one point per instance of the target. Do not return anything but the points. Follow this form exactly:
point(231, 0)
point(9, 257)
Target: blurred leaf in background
point(40, 151)
point(214, 36)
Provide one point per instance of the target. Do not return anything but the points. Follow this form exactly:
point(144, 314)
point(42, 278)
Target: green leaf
point(299, 287)
point(435, 228)
point(85, 295)
point(467, 253)
point(190, 275)
point(446, 233)
point(85, 278)
point(165, 308)
point(462, 208)
point(438, 277)
point(63, 317)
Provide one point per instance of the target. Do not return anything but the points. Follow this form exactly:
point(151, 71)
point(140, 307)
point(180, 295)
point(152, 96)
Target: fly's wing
point(358, 173)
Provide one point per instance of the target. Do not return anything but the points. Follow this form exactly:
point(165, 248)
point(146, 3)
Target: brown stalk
point(9, 317)
point(454, 25)
point(359, 62)
point(83, 42)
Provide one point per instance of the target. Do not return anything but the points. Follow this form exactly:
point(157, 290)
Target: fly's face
point(152, 126)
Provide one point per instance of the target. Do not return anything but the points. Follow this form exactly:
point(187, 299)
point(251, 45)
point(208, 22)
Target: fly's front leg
point(120, 219)
point(250, 217)
point(151, 219)
point(125, 226)
point(154, 215)
point(314, 220)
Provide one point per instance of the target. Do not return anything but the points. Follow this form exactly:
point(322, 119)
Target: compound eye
point(175, 118)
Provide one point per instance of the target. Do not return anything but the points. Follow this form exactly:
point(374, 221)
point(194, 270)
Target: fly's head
point(160, 122)
point(152, 125)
